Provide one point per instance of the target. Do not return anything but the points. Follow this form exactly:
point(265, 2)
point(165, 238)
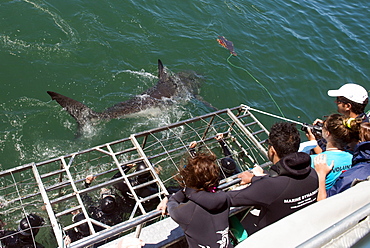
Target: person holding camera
point(351, 100)
point(339, 131)
point(360, 170)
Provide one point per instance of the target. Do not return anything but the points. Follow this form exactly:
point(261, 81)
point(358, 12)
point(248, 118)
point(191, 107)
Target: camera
point(315, 129)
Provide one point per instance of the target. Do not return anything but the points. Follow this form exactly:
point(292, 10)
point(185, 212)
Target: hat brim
point(335, 93)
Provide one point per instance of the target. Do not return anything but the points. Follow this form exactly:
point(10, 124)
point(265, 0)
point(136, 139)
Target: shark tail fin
point(162, 74)
point(76, 109)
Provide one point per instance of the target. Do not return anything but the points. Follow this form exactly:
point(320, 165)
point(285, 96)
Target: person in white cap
point(351, 100)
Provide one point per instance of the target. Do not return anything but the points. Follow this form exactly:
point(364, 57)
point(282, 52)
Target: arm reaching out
point(207, 200)
point(162, 206)
point(322, 169)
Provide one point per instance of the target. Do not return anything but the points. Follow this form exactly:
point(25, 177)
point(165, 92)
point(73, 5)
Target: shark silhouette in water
point(168, 90)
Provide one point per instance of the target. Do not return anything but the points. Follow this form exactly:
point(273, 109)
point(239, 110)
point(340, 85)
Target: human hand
point(129, 242)
point(258, 171)
point(131, 165)
point(310, 135)
point(162, 206)
point(67, 240)
point(246, 177)
point(317, 121)
point(192, 144)
point(90, 178)
point(321, 166)
point(219, 136)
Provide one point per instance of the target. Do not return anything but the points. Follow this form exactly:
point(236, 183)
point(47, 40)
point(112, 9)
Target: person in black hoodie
point(291, 185)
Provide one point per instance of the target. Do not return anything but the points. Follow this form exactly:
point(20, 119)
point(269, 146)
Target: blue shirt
point(342, 162)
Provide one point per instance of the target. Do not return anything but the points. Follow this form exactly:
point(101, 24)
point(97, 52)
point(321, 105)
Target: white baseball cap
point(353, 92)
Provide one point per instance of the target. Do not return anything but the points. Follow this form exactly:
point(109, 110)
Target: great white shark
point(169, 89)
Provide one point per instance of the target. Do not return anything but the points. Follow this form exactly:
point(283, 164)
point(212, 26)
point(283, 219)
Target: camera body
point(315, 129)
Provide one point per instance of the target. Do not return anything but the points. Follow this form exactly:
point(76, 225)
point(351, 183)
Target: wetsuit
point(75, 235)
point(360, 169)
point(202, 228)
point(225, 162)
point(96, 213)
point(292, 185)
point(12, 239)
point(228, 164)
point(129, 200)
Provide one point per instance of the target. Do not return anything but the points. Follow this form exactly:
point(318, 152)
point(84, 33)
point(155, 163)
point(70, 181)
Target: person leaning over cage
point(202, 228)
point(290, 186)
point(25, 235)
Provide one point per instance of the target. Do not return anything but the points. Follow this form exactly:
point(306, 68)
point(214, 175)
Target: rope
point(255, 79)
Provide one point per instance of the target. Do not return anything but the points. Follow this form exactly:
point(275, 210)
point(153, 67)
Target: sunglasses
point(341, 100)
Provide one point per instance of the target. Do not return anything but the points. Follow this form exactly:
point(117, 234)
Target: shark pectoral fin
point(76, 109)
point(199, 98)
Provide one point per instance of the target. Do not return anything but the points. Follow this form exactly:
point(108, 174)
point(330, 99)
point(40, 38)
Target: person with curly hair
point(339, 131)
point(202, 228)
point(359, 171)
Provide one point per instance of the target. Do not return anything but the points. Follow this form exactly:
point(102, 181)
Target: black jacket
point(202, 228)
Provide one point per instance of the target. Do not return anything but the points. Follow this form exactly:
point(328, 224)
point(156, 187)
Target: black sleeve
point(2, 233)
point(126, 168)
point(179, 208)
point(254, 194)
point(207, 200)
point(225, 149)
point(86, 199)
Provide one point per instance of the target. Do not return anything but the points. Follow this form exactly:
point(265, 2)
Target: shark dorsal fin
point(162, 75)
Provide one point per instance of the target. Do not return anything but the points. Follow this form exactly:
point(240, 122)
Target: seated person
point(359, 171)
point(338, 131)
point(25, 235)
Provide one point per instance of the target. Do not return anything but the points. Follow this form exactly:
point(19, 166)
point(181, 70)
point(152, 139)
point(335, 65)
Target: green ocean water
point(104, 52)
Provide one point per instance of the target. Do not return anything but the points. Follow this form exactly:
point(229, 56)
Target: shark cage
point(56, 190)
